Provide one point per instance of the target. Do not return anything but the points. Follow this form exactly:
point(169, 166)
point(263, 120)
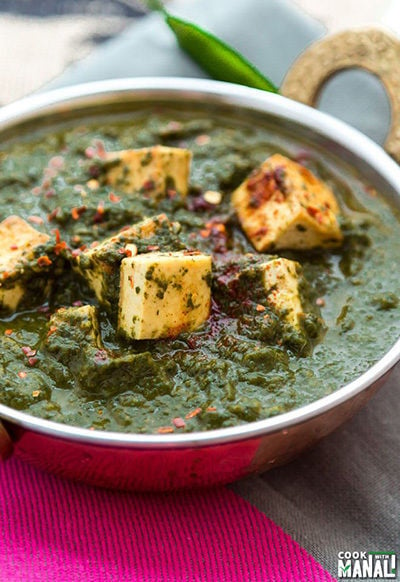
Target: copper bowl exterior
point(170, 461)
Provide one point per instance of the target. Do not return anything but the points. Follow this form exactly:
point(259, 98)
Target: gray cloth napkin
point(344, 494)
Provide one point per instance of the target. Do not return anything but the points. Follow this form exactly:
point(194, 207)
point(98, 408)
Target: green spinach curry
point(260, 327)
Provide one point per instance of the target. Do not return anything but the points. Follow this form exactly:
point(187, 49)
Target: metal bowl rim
point(228, 94)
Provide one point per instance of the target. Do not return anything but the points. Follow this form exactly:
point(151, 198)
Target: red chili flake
point(99, 216)
point(216, 227)
point(165, 429)
point(153, 248)
point(33, 361)
point(94, 171)
point(76, 239)
point(370, 191)
point(192, 343)
point(93, 245)
point(76, 212)
point(8, 332)
point(312, 211)
point(199, 203)
point(211, 409)
point(52, 215)
point(100, 356)
point(172, 126)
point(77, 303)
point(28, 351)
point(56, 233)
point(90, 152)
point(44, 261)
point(191, 252)
point(260, 307)
point(202, 139)
point(46, 184)
point(303, 156)
point(320, 302)
point(36, 191)
point(193, 413)
point(265, 184)
point(100, 149)
point(179, 422)
point(13, 247)
point(261, 232)
point(315, 213)
point(22, 374)
point(57, 162)
point(60, 247)
point(148, 185)
point(130, 279)
point(35, 219)
point(49, 173)
point(76, 252)
point(52, 330)
point(114, 198)
point(125, 252)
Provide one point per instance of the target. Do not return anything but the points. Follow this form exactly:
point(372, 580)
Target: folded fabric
point(57, 531)
point(270, 33)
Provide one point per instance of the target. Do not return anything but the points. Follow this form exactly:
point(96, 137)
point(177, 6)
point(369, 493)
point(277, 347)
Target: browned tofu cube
point(282, 205)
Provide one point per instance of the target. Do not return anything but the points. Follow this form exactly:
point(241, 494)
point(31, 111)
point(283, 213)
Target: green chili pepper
point(219, 60)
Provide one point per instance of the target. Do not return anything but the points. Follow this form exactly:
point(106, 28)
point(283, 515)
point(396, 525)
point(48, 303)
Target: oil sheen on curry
point(172, 273)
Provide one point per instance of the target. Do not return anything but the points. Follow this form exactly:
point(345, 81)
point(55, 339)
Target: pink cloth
point(58, 531)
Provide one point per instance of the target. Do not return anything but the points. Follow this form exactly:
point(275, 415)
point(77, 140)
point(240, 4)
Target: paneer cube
point(281, 282)
point(154, 171)
point(282, 205)
point(164, 294)
point(24, 264)
point(100, 266)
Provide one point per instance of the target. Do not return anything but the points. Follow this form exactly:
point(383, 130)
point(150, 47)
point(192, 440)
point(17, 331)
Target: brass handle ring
point(372, 49)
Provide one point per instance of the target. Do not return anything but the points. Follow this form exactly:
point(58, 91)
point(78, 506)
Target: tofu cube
point(281, 282)
point(100, 266)
point(282, 205)
point(22, 272)
point(153, 170)
point(164, 294)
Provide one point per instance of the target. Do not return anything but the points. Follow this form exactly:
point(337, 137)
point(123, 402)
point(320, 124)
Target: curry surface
point(237, 368)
